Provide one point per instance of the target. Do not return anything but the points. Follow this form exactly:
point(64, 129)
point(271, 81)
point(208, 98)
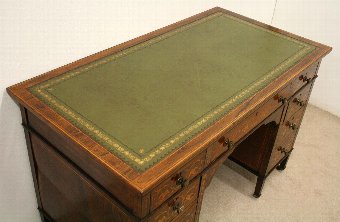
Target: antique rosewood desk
point(136, 132)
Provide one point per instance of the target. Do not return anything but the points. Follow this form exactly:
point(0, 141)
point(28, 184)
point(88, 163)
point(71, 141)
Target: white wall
point(318, 20)
point(37, 36)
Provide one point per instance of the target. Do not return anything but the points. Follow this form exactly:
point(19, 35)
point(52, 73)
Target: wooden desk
point(136, 132)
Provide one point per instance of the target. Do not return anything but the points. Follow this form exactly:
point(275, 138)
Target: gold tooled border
point(41, 90)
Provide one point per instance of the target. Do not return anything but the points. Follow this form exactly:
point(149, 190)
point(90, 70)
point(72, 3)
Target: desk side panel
point(67, 195)
point(98, 172)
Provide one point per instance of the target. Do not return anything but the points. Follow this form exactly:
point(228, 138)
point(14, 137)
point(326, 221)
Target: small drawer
point(245, 126)
point(304, 78)
point(299, 100)
point(285, 138)
point(177, 205)
point(177, 181)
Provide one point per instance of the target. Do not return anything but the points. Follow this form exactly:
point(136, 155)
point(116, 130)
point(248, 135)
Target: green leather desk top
point(148, 100)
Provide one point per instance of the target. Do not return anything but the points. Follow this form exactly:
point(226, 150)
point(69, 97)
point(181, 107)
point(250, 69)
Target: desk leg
point(283, 164)
point(259, 185)
point(269, 141)
point(46, 220)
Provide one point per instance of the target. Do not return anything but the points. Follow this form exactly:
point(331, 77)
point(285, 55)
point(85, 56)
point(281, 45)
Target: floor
point(307, 190)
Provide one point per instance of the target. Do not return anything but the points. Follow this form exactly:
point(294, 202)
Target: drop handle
point(305, 78)
point(293, 126)
point(226, 142)
point(282, 150)
point(282, 100)
point(182, 181)
point(178, 207)
point(299, 102)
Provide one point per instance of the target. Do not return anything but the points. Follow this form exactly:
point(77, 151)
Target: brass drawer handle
point(293, 126)
point(282, 150)
point(282, 100)
point(299, 102)
point(178, 207)
point(305, 78)
point(226, 142)
point(229, 143)
point(182, 181)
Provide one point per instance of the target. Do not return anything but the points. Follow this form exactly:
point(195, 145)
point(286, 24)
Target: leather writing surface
point(149, 99)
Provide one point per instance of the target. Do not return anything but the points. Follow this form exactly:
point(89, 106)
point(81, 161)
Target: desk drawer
point(177, 181)
point(299, 100)
point(177, 205)
point(304, 78)
point(245, 126)
point(285, 138)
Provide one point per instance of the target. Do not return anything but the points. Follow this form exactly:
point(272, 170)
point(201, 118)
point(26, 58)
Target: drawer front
point(177, 181)
point(304, 78)
point(299, 100)
point(285, 138)
point(177, 205)
point(225, 143)
point(187, 216)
